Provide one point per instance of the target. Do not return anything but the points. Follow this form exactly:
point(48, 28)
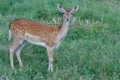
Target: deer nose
point(67, 19)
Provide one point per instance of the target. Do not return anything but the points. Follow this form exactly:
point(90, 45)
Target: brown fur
point(47, 32)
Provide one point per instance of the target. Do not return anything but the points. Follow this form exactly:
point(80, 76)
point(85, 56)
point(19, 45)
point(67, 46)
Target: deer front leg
point(50, 57)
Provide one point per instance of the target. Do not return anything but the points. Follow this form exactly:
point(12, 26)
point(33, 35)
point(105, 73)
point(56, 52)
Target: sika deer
point(24, 30)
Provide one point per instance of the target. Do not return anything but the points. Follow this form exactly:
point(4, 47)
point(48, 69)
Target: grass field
point(90, 51)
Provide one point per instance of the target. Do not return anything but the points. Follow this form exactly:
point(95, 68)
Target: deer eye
point(63, 13)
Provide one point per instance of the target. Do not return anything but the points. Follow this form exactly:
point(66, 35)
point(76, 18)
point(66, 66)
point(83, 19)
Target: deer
point(47, 36)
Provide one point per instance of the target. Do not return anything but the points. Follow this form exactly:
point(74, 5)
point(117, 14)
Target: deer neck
point(63, 30)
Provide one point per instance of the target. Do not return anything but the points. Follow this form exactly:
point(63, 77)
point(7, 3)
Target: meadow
point(90, 51)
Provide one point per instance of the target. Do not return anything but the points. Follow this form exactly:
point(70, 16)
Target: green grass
point(90, 51)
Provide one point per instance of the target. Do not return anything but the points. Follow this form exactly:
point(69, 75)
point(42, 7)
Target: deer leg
point(50, 57)
point(18, 50)
point(12, 49)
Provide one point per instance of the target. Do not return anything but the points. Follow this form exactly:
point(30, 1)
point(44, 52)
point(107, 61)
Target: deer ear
point(60, 8)
point(74, 9)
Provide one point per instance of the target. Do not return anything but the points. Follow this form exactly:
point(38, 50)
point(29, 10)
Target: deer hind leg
point(18, 50)
point(12, 49)
point(50, 57)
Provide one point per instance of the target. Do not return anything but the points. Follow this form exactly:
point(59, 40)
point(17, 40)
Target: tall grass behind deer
point(48, 36)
